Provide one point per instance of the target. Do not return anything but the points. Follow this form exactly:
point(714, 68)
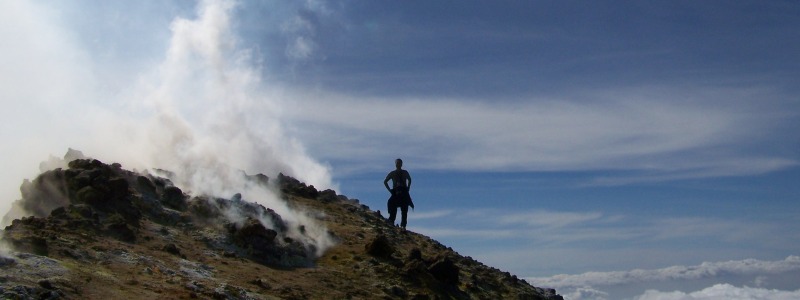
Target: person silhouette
point(400, 197)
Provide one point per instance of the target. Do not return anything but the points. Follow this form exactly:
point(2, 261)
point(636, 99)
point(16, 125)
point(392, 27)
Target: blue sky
point(543, 137)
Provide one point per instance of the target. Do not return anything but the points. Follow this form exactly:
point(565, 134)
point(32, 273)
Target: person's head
point(398, 163)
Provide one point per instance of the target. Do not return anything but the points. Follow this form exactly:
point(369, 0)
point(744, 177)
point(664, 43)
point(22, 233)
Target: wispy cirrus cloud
point(488, 234)
point(497, 224)
point(728, 230)
point(550, 229)
point(436, 214)
point(549, 218)
point(664, 133)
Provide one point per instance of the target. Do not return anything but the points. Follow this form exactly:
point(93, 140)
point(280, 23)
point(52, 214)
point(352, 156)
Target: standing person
point(401, 184)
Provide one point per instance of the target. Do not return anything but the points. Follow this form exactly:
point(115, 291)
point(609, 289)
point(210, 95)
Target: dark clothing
point(401, 183)
point(400, 198)
point(403, 215)
point(398, 178)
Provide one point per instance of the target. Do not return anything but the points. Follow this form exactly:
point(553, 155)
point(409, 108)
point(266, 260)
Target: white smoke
point(203, 111)
point(4, 250)
point(205, 74)
point(211, 100)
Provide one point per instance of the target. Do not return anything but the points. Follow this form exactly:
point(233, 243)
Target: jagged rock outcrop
point(108, 200)
point(98, 231)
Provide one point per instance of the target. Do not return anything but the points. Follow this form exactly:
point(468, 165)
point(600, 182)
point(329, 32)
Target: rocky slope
point(102, 232)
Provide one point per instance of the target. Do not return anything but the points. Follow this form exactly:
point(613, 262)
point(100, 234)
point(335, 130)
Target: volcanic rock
point(98, 231)
point(445, 270)
point(380, 247)
point(174, 198)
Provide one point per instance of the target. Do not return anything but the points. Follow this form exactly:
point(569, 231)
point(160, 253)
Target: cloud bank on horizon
point(536, 242)
point(722, 292)
point(754, 278)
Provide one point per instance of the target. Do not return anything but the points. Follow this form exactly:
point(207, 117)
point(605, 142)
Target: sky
point(608, 149)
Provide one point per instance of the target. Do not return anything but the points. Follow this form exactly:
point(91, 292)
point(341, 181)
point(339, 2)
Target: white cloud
point(553, 228)
point(721, 292)
point(594, 240)
point(549, 218)
point(436, 214)
point(301, 30)
point(618, 282)
point(681, 133)
point(728, 230)
point(585, 293)
point(704, 270)
point(468, 233)
point(301, 48)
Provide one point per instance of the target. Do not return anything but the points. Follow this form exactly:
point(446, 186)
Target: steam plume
point(203, 112)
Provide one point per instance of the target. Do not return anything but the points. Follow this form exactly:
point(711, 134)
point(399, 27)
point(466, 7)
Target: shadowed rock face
point(98, 231)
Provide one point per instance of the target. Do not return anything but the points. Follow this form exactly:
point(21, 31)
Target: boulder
point(75, 217)
point(146, 186)
point(260, 178)
point(119, 188)
point(174, 198)
point(24, 235)
point(262, 244)
point(445, 271)
point(171, 249)
point(203, 209)
point(290, 185)
point(415, 254)
point(254, 235)
point(327, 196)
point(380, 247)
point(45, 193)
point(91, 196)
point(117, 227)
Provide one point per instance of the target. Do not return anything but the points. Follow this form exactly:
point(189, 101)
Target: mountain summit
point(98, 231)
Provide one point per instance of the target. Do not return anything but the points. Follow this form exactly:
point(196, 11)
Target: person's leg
point(403, 216)
point(392, 212)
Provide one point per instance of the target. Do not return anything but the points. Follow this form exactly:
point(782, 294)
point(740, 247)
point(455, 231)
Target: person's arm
point(386, 182)
point(411, 202)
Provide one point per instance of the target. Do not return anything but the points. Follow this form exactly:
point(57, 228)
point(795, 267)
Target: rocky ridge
point(99, 231)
